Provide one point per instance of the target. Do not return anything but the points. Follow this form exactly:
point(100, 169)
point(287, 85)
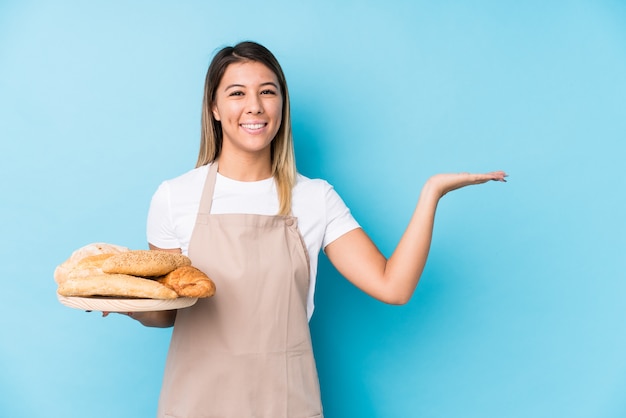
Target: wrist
point(432, 189)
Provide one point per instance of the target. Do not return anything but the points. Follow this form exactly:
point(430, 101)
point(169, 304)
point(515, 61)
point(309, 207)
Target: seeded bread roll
point(189, 282)
point(146, 263)
point(115, 285)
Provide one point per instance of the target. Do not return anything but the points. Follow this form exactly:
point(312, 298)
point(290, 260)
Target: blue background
point(520, 311)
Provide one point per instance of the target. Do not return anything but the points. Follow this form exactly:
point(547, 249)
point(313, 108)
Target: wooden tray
point(125, 305)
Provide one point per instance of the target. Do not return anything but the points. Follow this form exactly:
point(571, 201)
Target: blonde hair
point(282, 153)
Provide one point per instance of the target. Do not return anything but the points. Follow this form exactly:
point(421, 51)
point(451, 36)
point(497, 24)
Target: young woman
point(255, 226)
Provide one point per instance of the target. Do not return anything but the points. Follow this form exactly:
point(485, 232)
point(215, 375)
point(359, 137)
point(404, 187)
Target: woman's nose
point(254, 104)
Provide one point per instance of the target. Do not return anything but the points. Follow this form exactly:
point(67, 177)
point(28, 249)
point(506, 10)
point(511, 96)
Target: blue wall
point(520, 312)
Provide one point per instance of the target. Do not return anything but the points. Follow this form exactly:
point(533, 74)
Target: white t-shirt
point(322, 215)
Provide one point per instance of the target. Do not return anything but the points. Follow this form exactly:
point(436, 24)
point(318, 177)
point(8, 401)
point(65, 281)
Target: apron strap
point(207, 193)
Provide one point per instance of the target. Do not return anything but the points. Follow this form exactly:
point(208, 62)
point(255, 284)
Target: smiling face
point(248, 104)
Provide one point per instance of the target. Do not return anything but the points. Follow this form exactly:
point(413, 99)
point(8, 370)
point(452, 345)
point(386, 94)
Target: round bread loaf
point(146, 263)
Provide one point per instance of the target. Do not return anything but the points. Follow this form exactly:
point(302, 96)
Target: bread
point(62, 272)
point(189, 282)
point(88, 266)
point(101, 269)
point(146, 263)
point(116, 285)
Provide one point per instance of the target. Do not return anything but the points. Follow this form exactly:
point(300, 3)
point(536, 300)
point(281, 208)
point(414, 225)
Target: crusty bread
point(190, 282)
point(146, 263)
point(115, 285)
point(93, 261)
point(62, 272)
point(109, 270)
point(88, 266)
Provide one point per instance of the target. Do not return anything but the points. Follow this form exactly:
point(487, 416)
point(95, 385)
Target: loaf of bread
point(62, 272)
point(116, 285)
point(102, 269)
point(145, 263)
point(88, 266)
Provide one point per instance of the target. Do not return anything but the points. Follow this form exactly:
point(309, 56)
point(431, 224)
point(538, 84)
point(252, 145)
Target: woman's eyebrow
point(267, 83)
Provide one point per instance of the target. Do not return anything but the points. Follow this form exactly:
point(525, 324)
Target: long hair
point(282, 154)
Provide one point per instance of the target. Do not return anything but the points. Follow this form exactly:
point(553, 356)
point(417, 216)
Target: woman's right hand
point(156, 319)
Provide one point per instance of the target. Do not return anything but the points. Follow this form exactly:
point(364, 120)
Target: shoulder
point(313, 193)
point(307, 185)
point(321, 211)
point(190, 178)
point(186, 187)
point(186, 182)
point(316, 195)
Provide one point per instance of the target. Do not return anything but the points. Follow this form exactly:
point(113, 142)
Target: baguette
point(115, 285)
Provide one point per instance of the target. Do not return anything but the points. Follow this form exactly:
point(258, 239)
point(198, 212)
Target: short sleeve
point(339, 219)
point(160, 228)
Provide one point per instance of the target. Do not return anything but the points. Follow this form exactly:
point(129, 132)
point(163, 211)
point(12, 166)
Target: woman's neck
point(245, 167)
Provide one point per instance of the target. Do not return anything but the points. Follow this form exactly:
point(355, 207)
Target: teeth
point(252, 125)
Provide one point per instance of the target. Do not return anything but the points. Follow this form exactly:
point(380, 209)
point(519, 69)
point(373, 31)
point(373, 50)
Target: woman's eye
point(268, 91)
point(236, 93)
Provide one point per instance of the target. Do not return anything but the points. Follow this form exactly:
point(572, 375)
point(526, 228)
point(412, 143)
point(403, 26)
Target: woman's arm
point(393, 281)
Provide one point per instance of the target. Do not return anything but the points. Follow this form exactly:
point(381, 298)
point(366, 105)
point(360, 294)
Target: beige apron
point(245, 352)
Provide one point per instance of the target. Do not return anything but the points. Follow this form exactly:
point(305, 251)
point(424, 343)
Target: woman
point(246, 218)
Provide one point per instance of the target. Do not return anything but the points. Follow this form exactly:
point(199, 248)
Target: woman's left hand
point(445, 183)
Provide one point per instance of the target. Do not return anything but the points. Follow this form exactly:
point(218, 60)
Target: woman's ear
point(216, 114)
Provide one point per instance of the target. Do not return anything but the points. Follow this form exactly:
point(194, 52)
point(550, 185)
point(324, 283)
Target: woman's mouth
point(253, 126)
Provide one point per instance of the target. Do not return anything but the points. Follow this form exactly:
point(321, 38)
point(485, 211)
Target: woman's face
point(249, 104)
